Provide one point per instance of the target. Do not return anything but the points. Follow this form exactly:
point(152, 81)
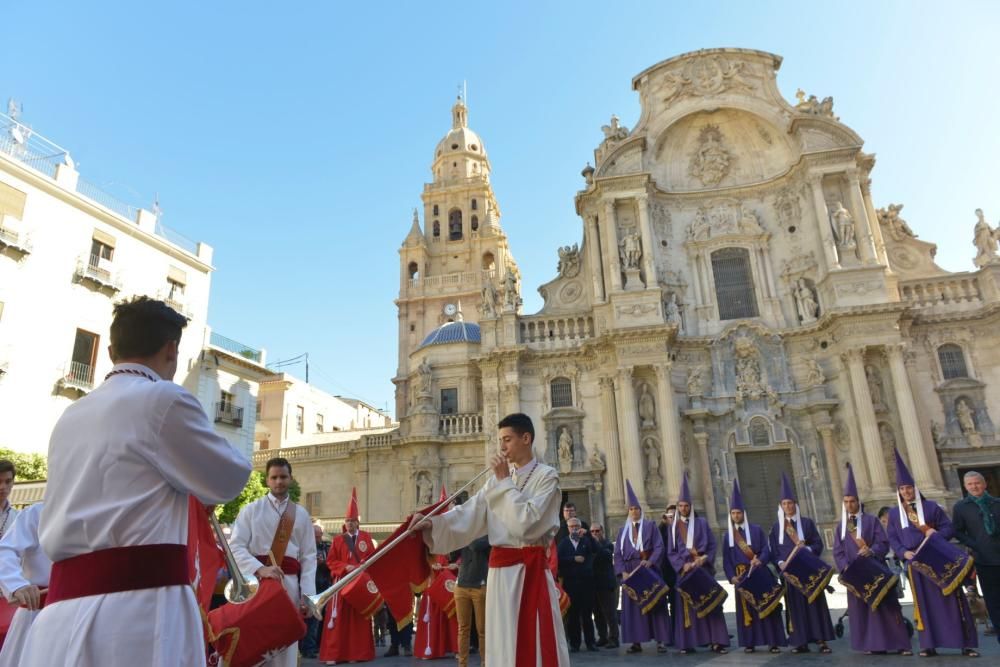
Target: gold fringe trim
point(656, 599)
point(775, 603)
point(822, 587)
point(747, 618)
point(891, 586)
point(960, 578)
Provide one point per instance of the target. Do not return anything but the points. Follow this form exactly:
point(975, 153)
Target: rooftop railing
point(239, 349)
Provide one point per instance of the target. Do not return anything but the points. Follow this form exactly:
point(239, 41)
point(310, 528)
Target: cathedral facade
point(738, 306)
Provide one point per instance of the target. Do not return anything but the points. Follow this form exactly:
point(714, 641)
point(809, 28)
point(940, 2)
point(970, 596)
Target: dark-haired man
point(275, 527)
point(568, 512)
point(519, 509)
point(7, 512)
point(122, 462)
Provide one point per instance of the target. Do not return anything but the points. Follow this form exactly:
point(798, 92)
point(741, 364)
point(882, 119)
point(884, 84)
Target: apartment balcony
point(175, 302)
point(227, 413)
point(234, 347)
point(13, 241)
point(461, 424)
point(97, 274)
point(77, 377)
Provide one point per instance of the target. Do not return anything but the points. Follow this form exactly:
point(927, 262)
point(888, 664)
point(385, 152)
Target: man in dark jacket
point(666, 569)
point(976, 519)
point(309, 645)
point(576, 569)
point(568, 512)
point(605, 589)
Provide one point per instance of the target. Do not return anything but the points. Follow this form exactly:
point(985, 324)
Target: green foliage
point(254, 489)
point(30, 467)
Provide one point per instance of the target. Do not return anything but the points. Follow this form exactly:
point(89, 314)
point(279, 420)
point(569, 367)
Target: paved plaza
point(842, 655)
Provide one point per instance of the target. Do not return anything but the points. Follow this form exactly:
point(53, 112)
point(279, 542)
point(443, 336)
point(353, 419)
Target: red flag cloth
point(205, 557)
point(403, 571)
point(7, 610)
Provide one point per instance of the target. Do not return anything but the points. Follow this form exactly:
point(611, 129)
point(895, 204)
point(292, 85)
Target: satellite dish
point(17, 135)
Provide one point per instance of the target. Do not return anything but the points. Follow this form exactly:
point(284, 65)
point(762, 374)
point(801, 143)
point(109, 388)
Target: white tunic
point(22, 563)
point(253, 533)
point(511, 518)
point(122, 462)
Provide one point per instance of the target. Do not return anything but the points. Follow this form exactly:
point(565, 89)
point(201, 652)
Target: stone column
point(613, 455)
point(855, 360)
point(866, 196)
point(647, 242)
point(823, 219)
point(708, 493)
point(830, 451)
point(593, 242)
point(862, 225)
point(670, 432)
point(628, 433)
point(611, 245)
point(921, 466)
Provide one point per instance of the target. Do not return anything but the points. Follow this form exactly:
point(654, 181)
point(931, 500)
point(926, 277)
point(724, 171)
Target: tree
point(255, 488)
point(30, 467)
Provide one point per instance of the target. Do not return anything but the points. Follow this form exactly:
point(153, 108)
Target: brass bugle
point(315, 603)
point(241, 587)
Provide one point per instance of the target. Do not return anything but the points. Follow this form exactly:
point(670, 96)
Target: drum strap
point(284, 533)
point(743, 546)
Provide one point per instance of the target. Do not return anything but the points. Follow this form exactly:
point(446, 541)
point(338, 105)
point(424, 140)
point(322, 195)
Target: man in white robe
point(24, 572)
point(253, 533)
point(7, 511)
point(518, 509)
point(122, 462)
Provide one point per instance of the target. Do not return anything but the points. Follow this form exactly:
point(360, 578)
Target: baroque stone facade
point(737, 307)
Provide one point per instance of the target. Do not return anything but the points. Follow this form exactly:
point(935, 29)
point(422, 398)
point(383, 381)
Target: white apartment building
point(68, 253)
point(291, 412)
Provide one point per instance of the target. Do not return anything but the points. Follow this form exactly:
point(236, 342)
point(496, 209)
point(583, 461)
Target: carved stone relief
point(896, 227)
point(806, 302)
point(711, 160)
point(704, 76)
point(647, 408)
point(569, 261)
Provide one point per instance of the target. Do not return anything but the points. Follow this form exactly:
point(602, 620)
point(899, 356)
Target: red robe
point(348, 635)
point(436, 635)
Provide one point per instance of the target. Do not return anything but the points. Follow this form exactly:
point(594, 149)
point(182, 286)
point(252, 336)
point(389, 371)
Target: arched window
point(562, 393)
point(475, 205)
point(952, 361)
point(474, 223)
point(437, 229)
point(489, 263)
point(734, 284)
point(454, 225)
point(413, 270)
point(760, 434)
point(436, 210)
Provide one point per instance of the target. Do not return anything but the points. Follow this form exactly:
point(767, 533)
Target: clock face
point(450, 309)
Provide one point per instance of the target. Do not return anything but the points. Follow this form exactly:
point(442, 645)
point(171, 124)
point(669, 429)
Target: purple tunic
point(636, 626)
point(805, 622)
point(883, 629)
point(712, 628)
point(751, 629)
point(946, 619)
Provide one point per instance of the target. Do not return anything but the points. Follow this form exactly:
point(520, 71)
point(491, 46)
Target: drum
point(942, 562)
point(442, 592)
point(869, 580)
point(242, 634)
point(807, 573)
point(701, 591)
point(645, 588)
point(564, 600)
point(761, 590)
point(363, 596)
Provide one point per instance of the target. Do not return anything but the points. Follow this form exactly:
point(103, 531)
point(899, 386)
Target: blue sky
point(295, 138)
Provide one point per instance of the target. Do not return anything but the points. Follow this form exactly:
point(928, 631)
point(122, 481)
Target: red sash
point(117, 570)
point(289, 565)
point(535, 605)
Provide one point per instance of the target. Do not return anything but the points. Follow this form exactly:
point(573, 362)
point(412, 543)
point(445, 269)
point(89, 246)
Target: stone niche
point(561, 423)
point(967, 422)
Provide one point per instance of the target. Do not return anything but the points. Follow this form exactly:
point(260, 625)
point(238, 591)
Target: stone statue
point(749, 222)
point(647, 408)
point(614, 131)
point(887, 437)
point(424, 378)
point(717, 473)
point(889, 218)
point(569, 261)
point(710, 162)
point(843, 223)
point(425, 489)
point(695, 381)
point(815, 377)
point(965, 417)
point(672, 311)
point(701, 228)
point(510, 288)
point(597, 460)
point(652, 457)
point(805, 300)
point(565, 450)
point(874, 385)
point(985, 240)
point(814, 466)
point(630, 250)
point(935, 433)
point(490, 299)
point(748, 374)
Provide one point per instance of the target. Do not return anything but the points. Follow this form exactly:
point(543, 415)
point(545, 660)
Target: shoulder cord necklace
point(520, 487)
point(6, 517)
point(131, 371)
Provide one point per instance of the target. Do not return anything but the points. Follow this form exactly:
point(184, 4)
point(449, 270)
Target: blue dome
point(453, 332)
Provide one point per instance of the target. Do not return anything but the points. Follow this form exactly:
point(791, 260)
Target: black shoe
point(593, 648)
point(612, 644)
point(392, 652)
point(634, 648)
